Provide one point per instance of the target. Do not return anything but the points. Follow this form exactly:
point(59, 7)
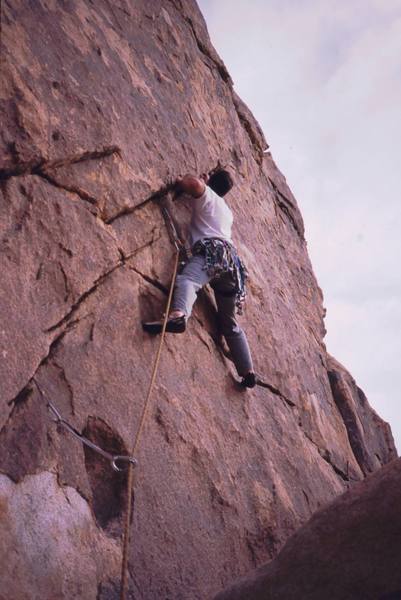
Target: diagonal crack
point(69, 188)
point(325, 454)
point(218, 339)
point(286, 206)
point(98, 282)
point(255, 134)
point(204, 342)
point(251, 127)
point(83, 297)
point(17, 401)
point(205, 50)
point(26, 390)
point(277, 191)
point(202, 47)
point(128, 210)
point(65, 279)
point(275, 391)
point(151, 280)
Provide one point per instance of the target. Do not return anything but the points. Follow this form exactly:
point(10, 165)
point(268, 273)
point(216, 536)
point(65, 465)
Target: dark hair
point(221, 182)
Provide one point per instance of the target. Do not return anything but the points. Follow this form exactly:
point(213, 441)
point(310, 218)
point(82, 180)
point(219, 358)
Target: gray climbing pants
point(189, 282)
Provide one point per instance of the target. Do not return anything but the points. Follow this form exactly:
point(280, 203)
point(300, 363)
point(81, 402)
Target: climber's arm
point(191, 185)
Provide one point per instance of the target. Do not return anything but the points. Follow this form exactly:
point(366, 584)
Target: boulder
point(346, 551)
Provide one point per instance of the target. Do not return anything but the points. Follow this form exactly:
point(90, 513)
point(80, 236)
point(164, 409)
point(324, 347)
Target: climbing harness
point(130, 477)
point(113, 458)
point(222, 257)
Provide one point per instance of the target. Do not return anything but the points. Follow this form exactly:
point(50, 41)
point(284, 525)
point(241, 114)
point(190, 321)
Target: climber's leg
point(224, 289)
point(188, 283)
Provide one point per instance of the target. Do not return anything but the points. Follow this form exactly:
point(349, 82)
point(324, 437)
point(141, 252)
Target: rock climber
point(214, 260)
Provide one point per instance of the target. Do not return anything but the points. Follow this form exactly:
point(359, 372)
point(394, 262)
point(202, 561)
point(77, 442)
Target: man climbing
point(214, 260)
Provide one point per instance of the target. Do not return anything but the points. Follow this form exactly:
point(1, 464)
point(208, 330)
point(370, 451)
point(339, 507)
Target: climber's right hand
point(191, 185)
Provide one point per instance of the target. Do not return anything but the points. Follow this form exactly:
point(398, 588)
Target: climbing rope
point(174, 236)
point(130, 478)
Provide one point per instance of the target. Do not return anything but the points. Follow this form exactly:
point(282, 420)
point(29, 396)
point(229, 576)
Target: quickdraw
point(113, 458)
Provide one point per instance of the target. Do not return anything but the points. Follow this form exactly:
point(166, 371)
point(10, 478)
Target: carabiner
point(119, 457)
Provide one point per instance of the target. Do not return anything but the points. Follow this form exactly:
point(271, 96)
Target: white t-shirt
point(211, 218)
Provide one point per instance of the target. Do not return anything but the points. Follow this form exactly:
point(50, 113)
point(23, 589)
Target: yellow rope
point(130, 479)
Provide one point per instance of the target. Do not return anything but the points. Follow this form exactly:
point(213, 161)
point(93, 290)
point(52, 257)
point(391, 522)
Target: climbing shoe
point(176, 325)
point(249, 381)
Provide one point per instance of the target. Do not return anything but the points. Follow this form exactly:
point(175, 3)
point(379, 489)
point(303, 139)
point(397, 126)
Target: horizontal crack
point(36, 166)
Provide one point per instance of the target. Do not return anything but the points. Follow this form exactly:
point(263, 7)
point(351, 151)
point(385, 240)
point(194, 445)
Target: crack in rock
point(108, 487)
point(39, 165)
point(128, 210)
point(69, 188)
point(19, 399)
point(150, 280)
point(275, 391)
point(68, 384)
point(342, 397)
point(26, 390)
point(252, 129)
point(98, 282)
point(325, 454)
point(203, 48)
point(65, 279)
point(283, 202)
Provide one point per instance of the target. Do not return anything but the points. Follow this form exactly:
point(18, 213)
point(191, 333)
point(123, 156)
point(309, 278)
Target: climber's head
point(221, 182)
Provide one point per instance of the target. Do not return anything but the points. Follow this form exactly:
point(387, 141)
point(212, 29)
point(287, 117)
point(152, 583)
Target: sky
point(323, 79)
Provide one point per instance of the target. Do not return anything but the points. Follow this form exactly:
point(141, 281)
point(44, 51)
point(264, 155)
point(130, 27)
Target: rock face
point(347, 551)
point(102, 105)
